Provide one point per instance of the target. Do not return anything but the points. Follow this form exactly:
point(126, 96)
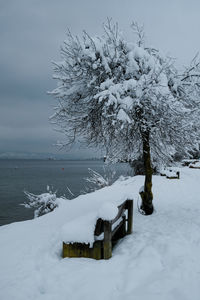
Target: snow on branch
point(97, 181)
point(43, 203)
point(112, 92)
point(139, 31)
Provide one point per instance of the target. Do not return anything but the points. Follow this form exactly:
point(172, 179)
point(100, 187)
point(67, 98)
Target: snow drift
point(160, 260)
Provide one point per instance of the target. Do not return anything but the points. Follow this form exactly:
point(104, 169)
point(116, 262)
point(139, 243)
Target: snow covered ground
point(160, 260)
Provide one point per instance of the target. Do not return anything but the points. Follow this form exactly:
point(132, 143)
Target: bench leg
point(107, 243)
point(129, 205)
point(122, 230)
point(96, 253)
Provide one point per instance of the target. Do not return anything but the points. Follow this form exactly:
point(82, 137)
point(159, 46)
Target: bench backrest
point(126, 205)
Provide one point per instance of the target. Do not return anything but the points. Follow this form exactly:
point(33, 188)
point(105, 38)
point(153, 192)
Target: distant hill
point(45, 156)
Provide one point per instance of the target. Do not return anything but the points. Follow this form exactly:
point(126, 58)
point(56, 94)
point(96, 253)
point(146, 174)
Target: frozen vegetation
point(159, 261)
point(43, 203)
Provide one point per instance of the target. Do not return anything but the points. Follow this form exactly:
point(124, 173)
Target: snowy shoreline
point(158, 261)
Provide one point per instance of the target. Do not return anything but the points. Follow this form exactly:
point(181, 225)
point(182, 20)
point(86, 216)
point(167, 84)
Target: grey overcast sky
point(31, 32)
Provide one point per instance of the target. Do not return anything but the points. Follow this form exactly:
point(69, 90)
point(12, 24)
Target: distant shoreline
point(55, 159)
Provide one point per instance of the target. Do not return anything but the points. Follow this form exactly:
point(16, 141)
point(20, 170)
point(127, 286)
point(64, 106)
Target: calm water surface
point(17, 176)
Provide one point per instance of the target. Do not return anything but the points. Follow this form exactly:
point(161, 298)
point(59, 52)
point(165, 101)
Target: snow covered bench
point(187, 162)
point(195, 165)
point(170, 174)
point(106, 234)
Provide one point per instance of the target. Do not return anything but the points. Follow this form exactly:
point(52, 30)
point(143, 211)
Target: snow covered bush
point(128, 98)
point(97, 181)
point(43, 203)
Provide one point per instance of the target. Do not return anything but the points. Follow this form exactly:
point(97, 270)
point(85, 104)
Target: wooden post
point(123, 227)
point(107, 244)
point(178, 174)
point(96, 250)
point(129, 205)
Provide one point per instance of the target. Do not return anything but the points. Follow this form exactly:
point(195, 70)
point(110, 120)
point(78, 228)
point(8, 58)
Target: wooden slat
point(107, 244)
point(83, 250)
point(121, 209)
point(99, 224)
point(117, 227)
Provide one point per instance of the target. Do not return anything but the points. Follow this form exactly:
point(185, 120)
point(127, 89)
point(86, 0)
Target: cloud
point(32, 32)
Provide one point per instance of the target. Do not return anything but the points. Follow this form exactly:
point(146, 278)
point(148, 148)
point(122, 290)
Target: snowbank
point(159, 261)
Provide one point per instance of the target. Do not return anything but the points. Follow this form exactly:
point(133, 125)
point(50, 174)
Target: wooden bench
point(106, 235)
point(195, 165)
point(187, 162)
point(177, 176)
point(170, 176)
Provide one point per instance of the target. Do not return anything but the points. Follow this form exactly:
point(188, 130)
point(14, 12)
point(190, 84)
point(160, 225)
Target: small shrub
point(96, 181)
point(43, 203)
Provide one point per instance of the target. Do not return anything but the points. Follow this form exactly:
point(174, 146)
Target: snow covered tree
point(128, 98)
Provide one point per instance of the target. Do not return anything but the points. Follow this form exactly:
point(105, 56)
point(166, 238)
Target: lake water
point(17, 176)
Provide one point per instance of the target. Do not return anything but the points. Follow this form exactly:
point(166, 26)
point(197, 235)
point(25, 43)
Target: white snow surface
point(80, 229)
point(108, 211)
point(159, 261)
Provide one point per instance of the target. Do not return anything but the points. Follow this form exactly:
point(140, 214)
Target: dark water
point(34, 176)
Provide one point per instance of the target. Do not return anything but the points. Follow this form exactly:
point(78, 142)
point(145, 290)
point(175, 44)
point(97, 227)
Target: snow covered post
point(127, 98)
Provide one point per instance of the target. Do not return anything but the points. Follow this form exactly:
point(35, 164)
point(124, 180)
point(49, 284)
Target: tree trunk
point(146, 194)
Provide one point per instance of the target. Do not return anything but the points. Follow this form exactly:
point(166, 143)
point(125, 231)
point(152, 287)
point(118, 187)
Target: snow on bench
point(195, 165)
point(84, 238)
point(187, 162)
point(170, 174)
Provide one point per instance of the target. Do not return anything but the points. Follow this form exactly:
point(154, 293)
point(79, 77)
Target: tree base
point(146, 206)
point(147, 210)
